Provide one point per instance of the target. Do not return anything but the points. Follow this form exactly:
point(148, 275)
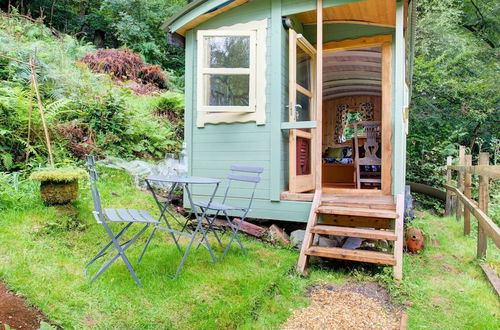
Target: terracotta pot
point(414, 240)
point(59, 193)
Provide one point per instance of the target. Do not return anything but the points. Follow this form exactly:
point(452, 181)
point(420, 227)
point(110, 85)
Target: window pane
point(227, 90)
point(227, 52)
point(304, 64)
point(302, 107)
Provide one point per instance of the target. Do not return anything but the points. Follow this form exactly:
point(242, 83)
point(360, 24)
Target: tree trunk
point(473, 139)
point(99, 36)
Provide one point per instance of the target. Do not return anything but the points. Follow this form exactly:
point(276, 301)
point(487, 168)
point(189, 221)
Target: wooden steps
point(381, 202)
point(354, 232)
point(368, 208)
point(357, 211)
point(354, 255)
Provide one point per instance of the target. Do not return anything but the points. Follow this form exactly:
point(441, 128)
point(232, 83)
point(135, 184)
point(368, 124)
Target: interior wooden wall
point(330, 113)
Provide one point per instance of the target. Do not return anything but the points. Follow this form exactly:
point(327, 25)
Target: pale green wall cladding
point(212, 149)
point(342, 31)
point(290, 7)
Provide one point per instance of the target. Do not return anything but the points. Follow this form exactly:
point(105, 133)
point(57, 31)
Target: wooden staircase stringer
point(309, 236)
point(399, 230)
point(328, 206)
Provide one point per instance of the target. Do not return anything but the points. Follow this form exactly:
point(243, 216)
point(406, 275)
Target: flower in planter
point(59, 186)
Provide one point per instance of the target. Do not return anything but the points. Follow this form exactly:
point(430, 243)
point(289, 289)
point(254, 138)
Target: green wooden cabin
point(261, 91)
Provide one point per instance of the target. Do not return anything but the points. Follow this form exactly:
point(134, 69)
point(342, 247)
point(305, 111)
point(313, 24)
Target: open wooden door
point(302, 113)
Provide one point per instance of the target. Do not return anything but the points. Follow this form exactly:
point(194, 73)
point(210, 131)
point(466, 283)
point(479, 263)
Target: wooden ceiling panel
point(375, 12)
point(352, 72)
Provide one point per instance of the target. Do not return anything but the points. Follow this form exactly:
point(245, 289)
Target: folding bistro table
point(186, 181)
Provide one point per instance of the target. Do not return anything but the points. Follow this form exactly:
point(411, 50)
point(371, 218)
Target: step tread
point(354, 232)
point(359, 201)
point(354, 255)
point(357, 211)
point(360, 205)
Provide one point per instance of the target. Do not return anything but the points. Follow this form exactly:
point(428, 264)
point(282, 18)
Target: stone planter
point(58, 186)
point(59, 193)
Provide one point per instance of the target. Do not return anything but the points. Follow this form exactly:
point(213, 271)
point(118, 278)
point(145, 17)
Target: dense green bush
point(456, 95)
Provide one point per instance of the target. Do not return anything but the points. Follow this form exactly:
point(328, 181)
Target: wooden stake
point(482, 238)
point(460, 181)
point(30, 111)
point(467, 193)
point(40, 108)
point(449, 161)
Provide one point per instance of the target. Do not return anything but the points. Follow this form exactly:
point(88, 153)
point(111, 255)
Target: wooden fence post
point(467, 193)
point(449, 161)
point(460, 181)
point(484, 194)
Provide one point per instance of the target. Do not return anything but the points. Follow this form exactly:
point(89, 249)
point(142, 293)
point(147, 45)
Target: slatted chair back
point(90, 166)
point(370, 147)
point(246, 174)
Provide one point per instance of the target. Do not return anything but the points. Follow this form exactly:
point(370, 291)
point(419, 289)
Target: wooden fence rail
point(460, 200)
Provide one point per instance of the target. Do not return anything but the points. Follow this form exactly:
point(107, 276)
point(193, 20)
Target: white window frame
point(204, 71)
point(256, 110)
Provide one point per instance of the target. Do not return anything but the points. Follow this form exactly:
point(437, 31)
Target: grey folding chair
point(107, 216)
point(250, 177)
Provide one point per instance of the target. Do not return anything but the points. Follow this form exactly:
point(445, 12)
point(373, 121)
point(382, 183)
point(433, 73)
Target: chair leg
point(147, 244)
point(103, 251)
point(209, 228)
point(179, 268)
point(121, 253)
point(234, 236)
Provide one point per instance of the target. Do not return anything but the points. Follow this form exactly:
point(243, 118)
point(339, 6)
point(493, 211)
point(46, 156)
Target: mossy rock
point(59, 193)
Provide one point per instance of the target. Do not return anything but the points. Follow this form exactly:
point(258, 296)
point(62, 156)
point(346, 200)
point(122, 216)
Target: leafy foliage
point(113, 23)
point(456, 96)
point(85, 112)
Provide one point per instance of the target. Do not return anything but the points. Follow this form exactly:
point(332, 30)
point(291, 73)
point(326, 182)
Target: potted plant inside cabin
point(58, 186)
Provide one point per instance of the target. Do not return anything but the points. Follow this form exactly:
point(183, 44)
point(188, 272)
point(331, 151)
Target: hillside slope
point(85, 112)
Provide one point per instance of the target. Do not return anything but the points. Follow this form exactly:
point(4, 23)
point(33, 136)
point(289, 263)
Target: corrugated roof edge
point(181, 13)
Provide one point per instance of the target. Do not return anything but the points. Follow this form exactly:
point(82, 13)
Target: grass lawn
point(43, 262)
point(445, 284)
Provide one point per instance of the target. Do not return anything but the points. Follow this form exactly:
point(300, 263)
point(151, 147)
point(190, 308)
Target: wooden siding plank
point(234, 156)
point(224, 164)
point(265, 209)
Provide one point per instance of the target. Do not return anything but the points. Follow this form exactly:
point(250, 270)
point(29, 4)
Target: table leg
point(163, 208)
point(200, 218)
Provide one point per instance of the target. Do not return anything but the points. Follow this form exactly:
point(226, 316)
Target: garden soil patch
point(349, 306)
point(14, 311)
